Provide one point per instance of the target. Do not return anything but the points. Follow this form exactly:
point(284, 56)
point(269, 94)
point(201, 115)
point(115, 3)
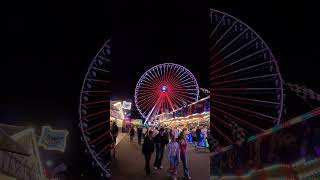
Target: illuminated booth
point(116, 113)
point(192, 115)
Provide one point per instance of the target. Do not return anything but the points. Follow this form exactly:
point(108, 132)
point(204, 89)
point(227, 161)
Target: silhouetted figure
point(147, 150)
point(161, 140)
point(114, 132)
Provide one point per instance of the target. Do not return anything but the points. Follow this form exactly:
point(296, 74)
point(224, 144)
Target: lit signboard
point(126, 105)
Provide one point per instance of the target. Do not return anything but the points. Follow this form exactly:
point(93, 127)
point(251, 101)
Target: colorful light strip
point(302, 169)
point(304, 117)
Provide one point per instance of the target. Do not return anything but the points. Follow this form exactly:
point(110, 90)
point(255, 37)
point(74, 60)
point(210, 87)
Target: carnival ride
point(247, 95)
point(94, 110)
point(245, 81)
point(163, 88)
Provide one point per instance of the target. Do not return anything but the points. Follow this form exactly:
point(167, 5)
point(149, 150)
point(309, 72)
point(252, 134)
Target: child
point(173, 154)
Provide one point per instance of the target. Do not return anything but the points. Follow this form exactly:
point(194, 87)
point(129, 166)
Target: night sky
point(50, 46)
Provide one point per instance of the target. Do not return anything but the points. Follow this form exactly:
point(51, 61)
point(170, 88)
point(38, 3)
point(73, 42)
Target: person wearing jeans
point(173, 155)
point(160, 140)
point(147, 150)
point(183, 153)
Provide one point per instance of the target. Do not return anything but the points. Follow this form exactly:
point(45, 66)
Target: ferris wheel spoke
point(221, 133)
point(177, 101)
point(100, 128)
point(97, 91)
point(157, 81)
point(226, 32)
point(185, 96)
point(190, 95)
point(243, 89)
point(186, 78)
point(170, 74)
point(244, 79)
point(232, 41)
point(245, 99)
point(181, 90)
point(104, 149)
point(214, 30)
point(147, 86)
point(170, 102)
point(242, 59)
point(99, 80)
point(220, 121)
point(95, 102)
point(239, 120)
point(149, 81)
point(101, 70)
point(246, 110)
point(97, 113)
point(99, 137)
point(154, 106)
point(103, 58)
point(241, 70)
point(229, 55)
point(96, 126)
point(148, 103)
point(158, 73)
point(84, 118)
point(145, 101)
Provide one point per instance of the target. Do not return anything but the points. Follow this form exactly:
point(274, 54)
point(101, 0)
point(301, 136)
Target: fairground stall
point(192, 116)
point(116, 113)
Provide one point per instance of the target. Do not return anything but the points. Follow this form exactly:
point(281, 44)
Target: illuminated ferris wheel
point(94, 111)
point(164, 88)
point(245, 83)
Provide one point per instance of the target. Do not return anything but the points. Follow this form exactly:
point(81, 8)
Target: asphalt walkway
point(129, 163)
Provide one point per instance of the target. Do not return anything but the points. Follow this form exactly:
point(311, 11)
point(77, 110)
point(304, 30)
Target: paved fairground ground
point(129, 163)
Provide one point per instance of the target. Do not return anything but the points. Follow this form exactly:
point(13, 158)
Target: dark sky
point(50, 45)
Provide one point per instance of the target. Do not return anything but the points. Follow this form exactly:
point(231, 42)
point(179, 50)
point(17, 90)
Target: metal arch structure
point(165, 87)
point(245, 82)
point(94, 110)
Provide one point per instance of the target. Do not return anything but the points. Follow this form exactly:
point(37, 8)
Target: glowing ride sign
point(126, 105)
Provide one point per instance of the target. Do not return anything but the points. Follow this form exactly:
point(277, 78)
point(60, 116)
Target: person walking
point(161, 140)
point(114, 132)
point(176, 133)
point(173, 155)
point(131, 134)
point(147, 150)
point(144, 131)
point(204, 132)
point(183, 144)
point(139, 130)
point(198, 132)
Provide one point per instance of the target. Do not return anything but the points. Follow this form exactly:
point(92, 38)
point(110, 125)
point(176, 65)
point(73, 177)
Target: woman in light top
point(174, 155)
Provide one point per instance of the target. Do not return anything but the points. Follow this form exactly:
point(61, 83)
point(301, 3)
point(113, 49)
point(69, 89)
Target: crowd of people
point(157, 140)
point(173, 141)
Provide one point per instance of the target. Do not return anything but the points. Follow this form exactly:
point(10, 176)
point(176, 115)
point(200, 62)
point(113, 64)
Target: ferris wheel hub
point(164, 88)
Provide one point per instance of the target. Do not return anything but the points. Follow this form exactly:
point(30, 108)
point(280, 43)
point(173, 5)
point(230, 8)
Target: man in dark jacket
point(114, 132)
point(147, 150)
point(161, 140)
